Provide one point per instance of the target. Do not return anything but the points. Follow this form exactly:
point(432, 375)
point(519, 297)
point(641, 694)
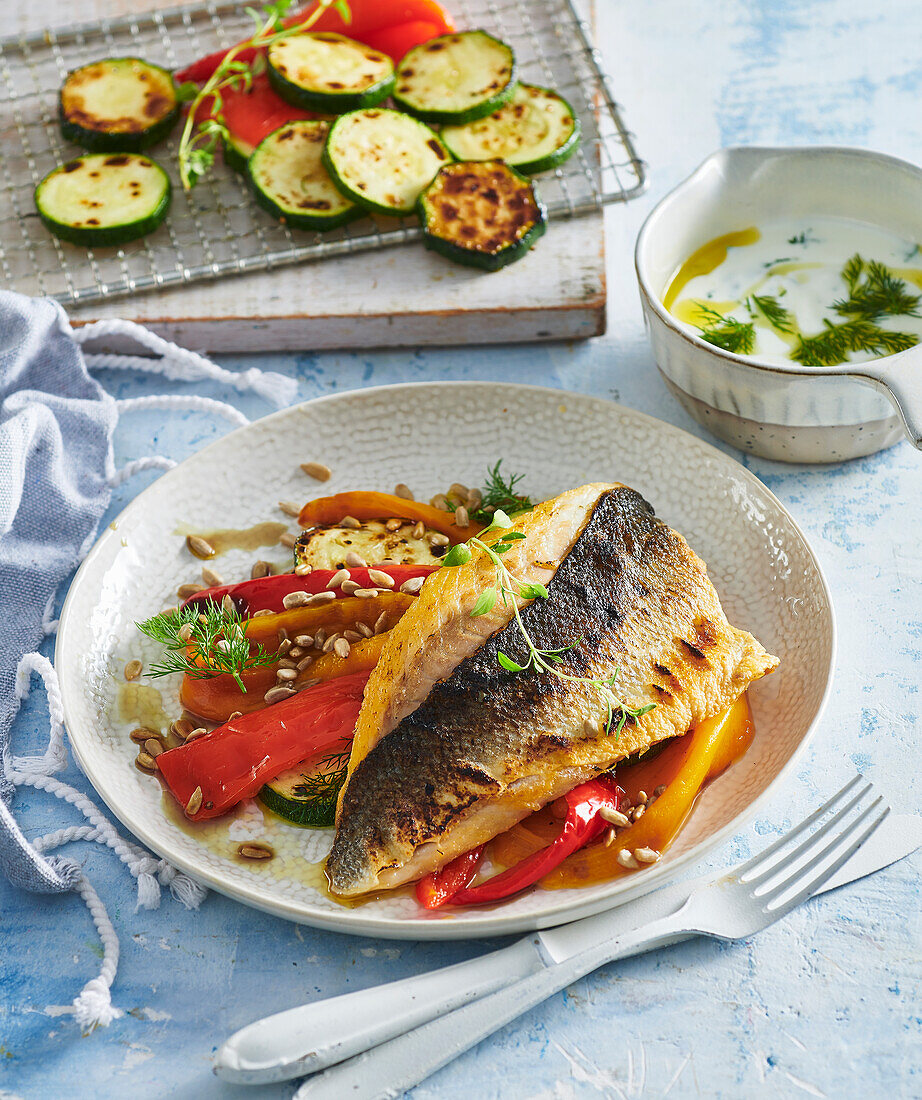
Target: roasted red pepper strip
point(368, 17)
point(254, 113)
point(267, 593)
point(232, 762)
point(583, 823)
point(439, 887)
point(399, 40)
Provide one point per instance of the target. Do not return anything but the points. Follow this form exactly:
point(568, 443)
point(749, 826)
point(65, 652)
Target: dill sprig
point(199, 141)
point(725, 332)
point(325, 783)
point(499, 493)
point(874, 292)
point(833, 345)
point(774, 312)
point(508, 587)
point(204, 641)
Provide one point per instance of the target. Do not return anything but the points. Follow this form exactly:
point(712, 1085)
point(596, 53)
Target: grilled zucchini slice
point(329, 73)
point(306, 795)
point(103, 199)
point(236, 153)
point(483, 214)
point(456, 78)
point(118, 105)
point(289, 180)
point(383, 159)
point(535, 131)
point(326, 547)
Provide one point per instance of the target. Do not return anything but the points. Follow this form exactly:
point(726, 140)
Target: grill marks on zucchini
point(456, 78)
point(382, 159)
point(482, 214)
point(290, 181)
point(104, 199)
point(120, 104)
point(535, 131)
point(329, 73)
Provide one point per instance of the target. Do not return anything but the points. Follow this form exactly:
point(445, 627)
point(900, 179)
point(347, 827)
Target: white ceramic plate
point(430, 435)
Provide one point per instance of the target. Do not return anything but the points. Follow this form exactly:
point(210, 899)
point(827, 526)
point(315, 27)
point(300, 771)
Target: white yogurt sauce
point(800, 264)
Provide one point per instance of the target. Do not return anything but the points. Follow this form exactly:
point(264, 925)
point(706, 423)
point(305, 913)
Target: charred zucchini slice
point(456, 78)
point(329, 73)
point(326, 547)
point(104, 199)
point(120, 104)
point(290, 182)
point(237, 153)
point(383, 159)
point(483, 214)
point(536, 130)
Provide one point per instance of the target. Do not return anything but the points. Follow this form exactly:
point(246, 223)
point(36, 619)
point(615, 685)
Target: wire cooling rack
point(217, 230)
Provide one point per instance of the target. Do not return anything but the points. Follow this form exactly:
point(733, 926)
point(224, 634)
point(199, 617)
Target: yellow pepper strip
point(691, 761)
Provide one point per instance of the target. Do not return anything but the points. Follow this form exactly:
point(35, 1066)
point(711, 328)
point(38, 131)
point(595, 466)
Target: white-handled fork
point(734, 906)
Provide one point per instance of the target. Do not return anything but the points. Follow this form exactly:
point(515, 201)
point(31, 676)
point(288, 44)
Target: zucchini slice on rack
point(536, 130)
point(329, 73)
point(383, 159)
point(289, 179)
point(237, 153)
point(456, 78)
point(481, 213)
point(104, 199)
point(118, 105)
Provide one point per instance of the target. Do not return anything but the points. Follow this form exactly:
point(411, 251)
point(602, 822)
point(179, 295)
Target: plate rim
point(349, 921)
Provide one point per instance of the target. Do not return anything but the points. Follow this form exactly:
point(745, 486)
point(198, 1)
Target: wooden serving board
point(398, 296)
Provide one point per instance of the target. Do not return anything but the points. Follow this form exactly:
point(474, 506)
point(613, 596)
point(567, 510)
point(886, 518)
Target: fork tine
point(809, 841)
point(821, 876)
point(805, 824)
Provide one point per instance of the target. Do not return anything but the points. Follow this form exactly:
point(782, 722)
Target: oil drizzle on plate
point(142, 705)
point(247, 538)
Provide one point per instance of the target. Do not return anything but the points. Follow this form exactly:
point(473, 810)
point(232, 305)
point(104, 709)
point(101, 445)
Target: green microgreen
point(510, 589)
point(204, 641)
point(199, 140)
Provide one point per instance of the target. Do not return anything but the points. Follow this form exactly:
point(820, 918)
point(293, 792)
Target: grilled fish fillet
point(451, 750)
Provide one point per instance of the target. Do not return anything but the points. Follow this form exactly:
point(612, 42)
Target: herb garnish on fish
point(203, 641)
point(508, 587)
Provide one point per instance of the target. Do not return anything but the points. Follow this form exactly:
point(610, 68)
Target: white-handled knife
point(312, 1037)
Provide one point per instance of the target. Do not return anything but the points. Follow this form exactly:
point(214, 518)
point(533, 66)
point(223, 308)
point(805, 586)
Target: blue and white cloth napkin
point(56, 477)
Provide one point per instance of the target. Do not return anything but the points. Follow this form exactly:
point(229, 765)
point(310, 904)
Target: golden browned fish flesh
point(451, 750)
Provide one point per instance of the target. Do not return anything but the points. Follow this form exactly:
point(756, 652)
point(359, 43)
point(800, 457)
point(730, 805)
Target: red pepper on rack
point(268, 593)
point(582, 825)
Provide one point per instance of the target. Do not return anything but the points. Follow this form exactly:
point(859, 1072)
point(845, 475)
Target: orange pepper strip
point(703, 754)
point(216, 698)
point(363, 505)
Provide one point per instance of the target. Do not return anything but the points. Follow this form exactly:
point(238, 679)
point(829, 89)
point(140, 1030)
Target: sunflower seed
point(290, 508)
point(236, 714)
point(613, 817)
point(305, 662)
point(181, 728)
point(381, 579)
point(657, 791)
point(222, 645)
point(295, 599)
point(287, 663)
point(350, 587)
point(288, 539)
point(260, 569)
point(278, 693)
point(436, 538)
point(185, 632)
point(317, 471)
point(283, 675)
point(296, 652)
point(459, 490)
point(393, 524)
point(146, 761)
point(364, 629)
point(322, 597)
point(187, 591)
point(260, 614)
point(319, 638)
point(356, 560)
point(366, 593)
point(646, 855)
point(419, 530)
point(196, 734)
point(330, 642)
point(141, 734)
point(303, 570)
point(227, 605)
point(462, 518)
point(440, 501)
point(638, 812)
point(284, 646)
point(342, 648)
point(195, 802)
point(153, 746)
point(412, 586)
point(381, 622)
point(305, 641)
point(352, 636)
point(642, 796)
point(133, 669)
point(254, 851)
point(474, 500)
point(625, 858)
point(211, 578)
point(338, 577)
point(199, 546)
point(351, 522)
point(401, 490)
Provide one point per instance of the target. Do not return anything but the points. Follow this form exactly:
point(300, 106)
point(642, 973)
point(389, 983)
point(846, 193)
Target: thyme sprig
point(509, 588)
point(199, 141)
point(725, 332)
point(202, 642)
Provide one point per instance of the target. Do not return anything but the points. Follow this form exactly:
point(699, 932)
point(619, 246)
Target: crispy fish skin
point(485, 747)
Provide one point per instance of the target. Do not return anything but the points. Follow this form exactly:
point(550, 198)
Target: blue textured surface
point(826, 1004)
